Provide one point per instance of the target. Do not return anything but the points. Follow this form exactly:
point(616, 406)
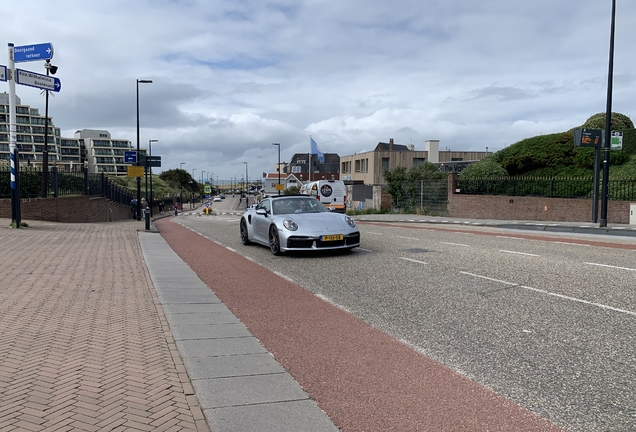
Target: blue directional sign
point(3, 73)
point(130, 157)
point(33, 79)
point(35, 52)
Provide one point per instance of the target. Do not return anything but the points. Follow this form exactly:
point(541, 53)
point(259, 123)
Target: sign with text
point(135, 171)
point(33, 79)
point(588, 137)
point(34, 52)
point(130, 157)
point(3, 73)
point(616, 142)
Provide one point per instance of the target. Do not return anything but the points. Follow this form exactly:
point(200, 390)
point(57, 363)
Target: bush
point(484, 168)
point(619, 122)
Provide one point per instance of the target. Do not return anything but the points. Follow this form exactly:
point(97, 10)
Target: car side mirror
point(261, 211)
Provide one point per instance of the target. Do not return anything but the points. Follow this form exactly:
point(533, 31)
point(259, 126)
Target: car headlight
point(290, 224)
point(350, 221)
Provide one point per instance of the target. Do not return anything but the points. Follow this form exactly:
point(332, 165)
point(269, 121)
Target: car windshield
point(297, 205)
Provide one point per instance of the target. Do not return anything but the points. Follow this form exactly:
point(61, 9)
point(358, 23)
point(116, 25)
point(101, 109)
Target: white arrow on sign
point(37, 80)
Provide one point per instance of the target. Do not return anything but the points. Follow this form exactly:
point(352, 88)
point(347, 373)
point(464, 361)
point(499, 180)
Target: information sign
point(3, 73)
point(130, 157)
point(135, 171)
point(616, 142)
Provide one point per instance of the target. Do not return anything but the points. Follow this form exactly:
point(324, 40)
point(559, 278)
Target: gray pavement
point(239, 385)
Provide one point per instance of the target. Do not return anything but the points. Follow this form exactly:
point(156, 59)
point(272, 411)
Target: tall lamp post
point(608, 125)
point(45, 153)
point(138, 151)
point(192, 189)
point(247, 195)
point(278, 166)
point(152, 197)
point(181, 184)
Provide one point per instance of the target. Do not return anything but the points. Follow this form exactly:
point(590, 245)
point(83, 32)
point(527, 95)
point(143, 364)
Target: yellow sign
point(135, 171)
point(207, 189)
point(280, 186)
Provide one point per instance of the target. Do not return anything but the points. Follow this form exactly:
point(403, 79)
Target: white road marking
point(570, 243)
point(490, 279)
point(611, 266)
point(602, 306)
point(328, 300)
point(287, 278)
point(456, 244)
point(578, 300)
point(409, 259)
point(513, 238)
point(518, 253)
point(409, 238)
point(374, 233)
point(230, 249)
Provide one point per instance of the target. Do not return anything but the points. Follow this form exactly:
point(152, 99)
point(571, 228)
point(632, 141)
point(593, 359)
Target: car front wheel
point(245, 238)
point(274, 240)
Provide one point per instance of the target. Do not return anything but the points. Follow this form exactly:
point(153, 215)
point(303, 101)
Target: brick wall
point(530, 208)
point(77, 209)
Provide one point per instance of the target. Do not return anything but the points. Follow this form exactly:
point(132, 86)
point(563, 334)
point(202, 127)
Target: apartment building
point(92, 149)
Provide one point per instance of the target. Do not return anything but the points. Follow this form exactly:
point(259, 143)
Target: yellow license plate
point(332, 237)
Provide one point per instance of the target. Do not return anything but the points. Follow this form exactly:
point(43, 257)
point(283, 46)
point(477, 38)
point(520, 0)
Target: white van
point(332, 193)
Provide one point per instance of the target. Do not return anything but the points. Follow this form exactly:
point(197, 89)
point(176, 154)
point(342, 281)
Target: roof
point(385, 147)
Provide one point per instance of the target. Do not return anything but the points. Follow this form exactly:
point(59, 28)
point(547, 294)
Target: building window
point(457, 159)
point(418, 161)
point(385, 164)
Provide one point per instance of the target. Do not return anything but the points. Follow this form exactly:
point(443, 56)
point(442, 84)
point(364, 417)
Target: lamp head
point(52, 69)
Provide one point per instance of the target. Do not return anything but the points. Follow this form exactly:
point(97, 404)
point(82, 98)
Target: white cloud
point(230, 78)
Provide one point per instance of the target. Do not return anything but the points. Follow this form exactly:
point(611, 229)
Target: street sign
point(33, 79)
point(130, 157)
point(35, 52)
point(588, 137)
point(3, 73)
point(280, 187)
point(207, 189)
point(616, 142)
point(135, 171)
point(150, 161)
point(207, 204)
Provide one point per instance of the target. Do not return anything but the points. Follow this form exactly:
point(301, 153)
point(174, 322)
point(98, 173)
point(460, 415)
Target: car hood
point(319, 221)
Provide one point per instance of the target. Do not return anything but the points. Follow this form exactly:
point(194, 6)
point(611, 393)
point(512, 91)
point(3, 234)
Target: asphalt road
point(547, 321)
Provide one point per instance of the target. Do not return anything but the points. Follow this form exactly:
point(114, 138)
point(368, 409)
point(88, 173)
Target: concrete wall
point(78, 209)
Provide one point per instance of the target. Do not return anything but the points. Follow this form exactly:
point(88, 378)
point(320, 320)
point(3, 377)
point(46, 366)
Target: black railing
point(63, 183)
point(621, 189)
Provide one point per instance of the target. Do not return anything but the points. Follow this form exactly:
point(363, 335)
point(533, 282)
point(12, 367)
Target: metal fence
point(429, 197)
point(623, 189)
point(63, 184)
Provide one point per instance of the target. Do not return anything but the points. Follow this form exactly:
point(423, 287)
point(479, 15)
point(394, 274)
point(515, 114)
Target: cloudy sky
point(230, 77)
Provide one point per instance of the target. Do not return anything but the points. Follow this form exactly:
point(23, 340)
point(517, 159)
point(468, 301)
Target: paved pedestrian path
point(84, 343)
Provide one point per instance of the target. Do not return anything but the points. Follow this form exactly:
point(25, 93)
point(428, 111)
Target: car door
point(261, 222)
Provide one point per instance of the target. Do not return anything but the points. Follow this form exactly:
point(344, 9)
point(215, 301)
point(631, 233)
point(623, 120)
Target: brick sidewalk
point(84, 344)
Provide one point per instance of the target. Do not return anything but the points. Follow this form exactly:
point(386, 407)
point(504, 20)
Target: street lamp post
point(181, 184)
point(278, 166)
point(138, 151)
point(45, 153)
point(192, 189)
point(608, 125)
point(152, 197)
point(247, 195)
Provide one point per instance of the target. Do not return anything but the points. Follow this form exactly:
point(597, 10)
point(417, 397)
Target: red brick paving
point(84, 344)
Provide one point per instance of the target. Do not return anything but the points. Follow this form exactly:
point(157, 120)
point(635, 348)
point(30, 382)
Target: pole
point(152, 197)
point(597, 168)
point(138, 161)
point(45, 153)
point(608, 124)
point(15, 191)
point(278, 145)
point(247, 195)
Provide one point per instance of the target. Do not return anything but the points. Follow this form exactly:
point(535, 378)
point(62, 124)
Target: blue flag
point(315, 150)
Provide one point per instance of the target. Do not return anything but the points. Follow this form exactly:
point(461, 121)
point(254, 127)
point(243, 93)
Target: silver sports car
point(297, 223)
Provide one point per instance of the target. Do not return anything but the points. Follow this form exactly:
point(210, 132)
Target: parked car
point(216, 199)
point(297, 223)
point(222, 196)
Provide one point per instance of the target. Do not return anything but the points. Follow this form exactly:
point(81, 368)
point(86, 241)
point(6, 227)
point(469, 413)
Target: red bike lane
point(362, 378)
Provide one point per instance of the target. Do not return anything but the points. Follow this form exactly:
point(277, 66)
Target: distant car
point(297, 223)
point(222, 196)
point(216, 199)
